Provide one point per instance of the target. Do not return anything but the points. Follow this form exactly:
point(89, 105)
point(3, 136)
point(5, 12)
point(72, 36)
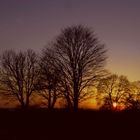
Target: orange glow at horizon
point(114, 104)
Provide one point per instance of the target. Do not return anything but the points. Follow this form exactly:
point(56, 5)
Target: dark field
point(62, 124)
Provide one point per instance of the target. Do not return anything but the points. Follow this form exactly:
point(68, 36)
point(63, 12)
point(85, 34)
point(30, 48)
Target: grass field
point(41, 124)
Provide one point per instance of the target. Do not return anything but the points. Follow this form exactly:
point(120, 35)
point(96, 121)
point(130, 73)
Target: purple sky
point(33, 23)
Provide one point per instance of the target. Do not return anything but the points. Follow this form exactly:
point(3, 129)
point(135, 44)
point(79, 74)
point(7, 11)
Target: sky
point(34, 23)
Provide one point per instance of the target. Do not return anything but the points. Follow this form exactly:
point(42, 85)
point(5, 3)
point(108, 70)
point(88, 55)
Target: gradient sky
point(33, 23)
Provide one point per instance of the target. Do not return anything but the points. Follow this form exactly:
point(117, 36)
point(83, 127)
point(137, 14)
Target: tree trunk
point(27, 102)
point(69, 103)
point(49, 99)
point(76, 94)
point(54, 99)
point(75, 106)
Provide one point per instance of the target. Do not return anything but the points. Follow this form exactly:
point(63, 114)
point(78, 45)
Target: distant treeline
point(71, 70)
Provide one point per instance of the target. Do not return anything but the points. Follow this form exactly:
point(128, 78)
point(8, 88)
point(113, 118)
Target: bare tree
point(19, 74)
point(49, 84)
point(113, 91)
point(81, 58)
point(133, 99)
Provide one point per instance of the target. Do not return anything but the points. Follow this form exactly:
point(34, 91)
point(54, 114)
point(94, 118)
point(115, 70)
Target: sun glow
point(114, 104)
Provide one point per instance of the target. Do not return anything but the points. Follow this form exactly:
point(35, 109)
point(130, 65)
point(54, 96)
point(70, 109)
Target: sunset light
point(114, 104)
point(69, 69)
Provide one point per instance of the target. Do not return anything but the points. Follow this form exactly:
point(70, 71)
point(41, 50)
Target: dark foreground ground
point(62, 125)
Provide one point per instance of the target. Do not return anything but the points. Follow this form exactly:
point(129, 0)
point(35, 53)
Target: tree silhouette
point(81, 57)
point(114, 90)
point(133, 98)
point(49, 82)
point(19, 73)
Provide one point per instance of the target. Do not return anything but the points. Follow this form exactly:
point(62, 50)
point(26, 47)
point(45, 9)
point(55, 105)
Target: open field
point(62, 124)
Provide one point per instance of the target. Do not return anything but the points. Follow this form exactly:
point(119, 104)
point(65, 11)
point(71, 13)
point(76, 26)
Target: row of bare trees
point(66, 70)
point(73, 63)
